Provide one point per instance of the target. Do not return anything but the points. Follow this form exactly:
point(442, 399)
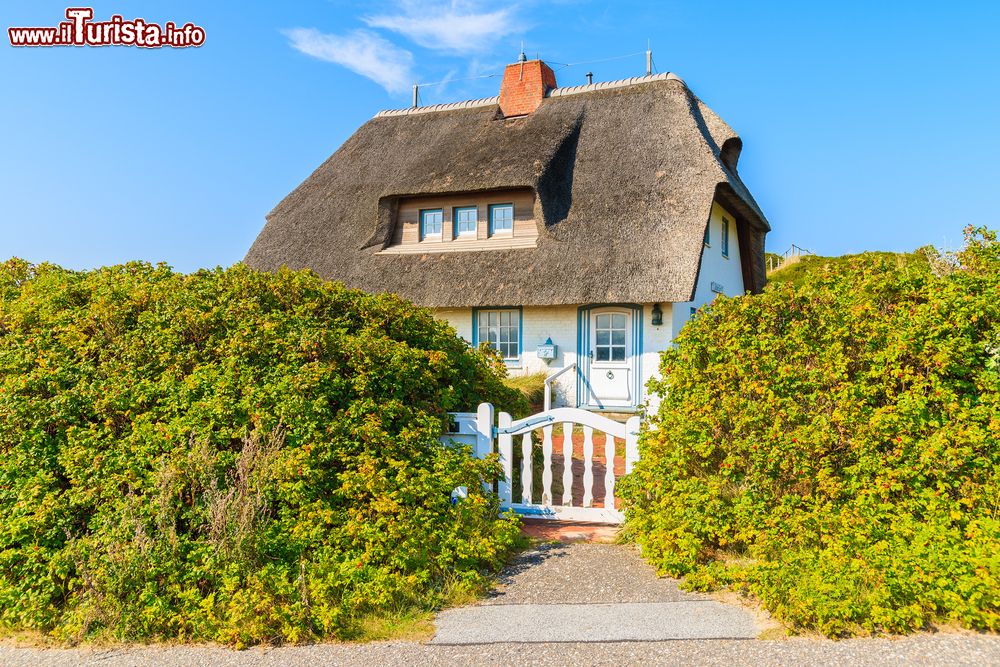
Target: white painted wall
point(560, 323)
point(727, 272)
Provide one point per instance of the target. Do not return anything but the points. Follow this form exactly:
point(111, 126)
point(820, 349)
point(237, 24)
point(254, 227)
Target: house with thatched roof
point(571, 228)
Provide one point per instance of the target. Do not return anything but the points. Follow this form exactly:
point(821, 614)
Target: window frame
point(476, 341)
point(502, 232)
point(708, 234)
point(456, 233)
point(725, 237)
point(439, 235)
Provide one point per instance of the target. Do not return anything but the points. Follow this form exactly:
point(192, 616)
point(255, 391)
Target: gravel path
point(919, 650)
point(582, 573)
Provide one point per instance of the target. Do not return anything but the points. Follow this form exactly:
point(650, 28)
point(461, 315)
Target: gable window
point(725, 238)
point(501, 219)
point(501, 328)
point(466, 221)
point(708, 235)
point(430, 223)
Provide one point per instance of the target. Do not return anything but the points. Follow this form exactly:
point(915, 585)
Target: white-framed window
point(466, 221)
point(708, 234)
point(725, 237)
point(610, 331)
point(431, 220)
point(501, 219)
point(501, 328)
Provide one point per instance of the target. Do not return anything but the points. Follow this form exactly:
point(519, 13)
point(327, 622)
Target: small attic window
point(708, 234)
point(466, 221)
point(430, 223)
point(501, 219)
point(725, 237)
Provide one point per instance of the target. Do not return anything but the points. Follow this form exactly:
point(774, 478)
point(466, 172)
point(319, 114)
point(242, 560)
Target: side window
point(725, 238)
point(708, 233)
point(502, 330)
point(430, 223)
point(501, 219)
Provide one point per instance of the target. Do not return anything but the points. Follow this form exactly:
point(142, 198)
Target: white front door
point(611, 358)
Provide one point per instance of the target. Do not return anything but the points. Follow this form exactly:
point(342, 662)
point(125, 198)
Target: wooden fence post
point(484, 433)
point(505, 446)
point(631, 443)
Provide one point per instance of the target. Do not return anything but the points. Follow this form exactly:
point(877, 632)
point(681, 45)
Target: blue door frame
point(583, 357)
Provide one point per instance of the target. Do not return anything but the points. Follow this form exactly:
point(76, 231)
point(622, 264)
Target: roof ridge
point(465, 104)
point(618, 83)
point(555, 92)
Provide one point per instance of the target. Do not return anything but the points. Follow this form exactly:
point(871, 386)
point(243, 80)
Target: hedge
point(832, 447)
point(231, 456)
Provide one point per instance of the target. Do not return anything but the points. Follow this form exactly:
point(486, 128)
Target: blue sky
point(865, 125)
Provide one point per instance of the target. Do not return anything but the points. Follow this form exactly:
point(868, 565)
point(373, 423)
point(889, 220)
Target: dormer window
point(461, 221)
point(466, 221)
point(430, 224)
point(501, 219)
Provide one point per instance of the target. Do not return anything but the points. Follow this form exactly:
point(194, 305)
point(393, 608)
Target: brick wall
point(524, 87)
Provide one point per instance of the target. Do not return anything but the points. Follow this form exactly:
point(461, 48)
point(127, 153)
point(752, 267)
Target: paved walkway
point(590, 593)
point(919, 651)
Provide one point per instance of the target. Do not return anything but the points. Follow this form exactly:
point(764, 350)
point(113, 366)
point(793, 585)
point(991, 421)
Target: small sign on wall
point(547, 351)
point(718, 288)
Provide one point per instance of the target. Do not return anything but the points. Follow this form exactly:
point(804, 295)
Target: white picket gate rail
point(480, 432)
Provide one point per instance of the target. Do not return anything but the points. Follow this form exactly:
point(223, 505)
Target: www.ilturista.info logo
point(80, 30)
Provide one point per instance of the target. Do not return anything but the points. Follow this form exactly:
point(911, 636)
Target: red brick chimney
point(524, 86)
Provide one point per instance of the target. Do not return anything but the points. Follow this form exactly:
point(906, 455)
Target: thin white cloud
point(360, 51)
point(457, 27)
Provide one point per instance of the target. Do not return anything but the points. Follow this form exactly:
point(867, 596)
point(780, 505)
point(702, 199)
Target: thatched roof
point(625, 174)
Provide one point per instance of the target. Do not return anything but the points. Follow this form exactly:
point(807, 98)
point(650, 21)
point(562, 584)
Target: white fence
point(587, 480)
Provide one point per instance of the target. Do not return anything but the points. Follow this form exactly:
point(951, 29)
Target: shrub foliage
point(231, 456)
point(833, 447)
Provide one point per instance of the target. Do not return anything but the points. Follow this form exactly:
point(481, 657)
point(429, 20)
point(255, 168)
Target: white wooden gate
point(577, 501)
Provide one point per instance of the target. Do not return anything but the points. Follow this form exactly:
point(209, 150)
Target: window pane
point(466, 219)
point(502, 217)
point(500, 328)
point(617, 353)
point(603, 321)
point(618, 321)
point(430, 223)
point(603, 337)
point(602, 354)
point(617, 337)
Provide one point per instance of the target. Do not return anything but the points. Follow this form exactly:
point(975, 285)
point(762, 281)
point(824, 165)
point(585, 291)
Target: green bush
point(231, 456)
point(833, 447)
point(532, 387)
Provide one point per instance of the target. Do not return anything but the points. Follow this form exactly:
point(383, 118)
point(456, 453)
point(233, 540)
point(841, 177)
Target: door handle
point(591, 355)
